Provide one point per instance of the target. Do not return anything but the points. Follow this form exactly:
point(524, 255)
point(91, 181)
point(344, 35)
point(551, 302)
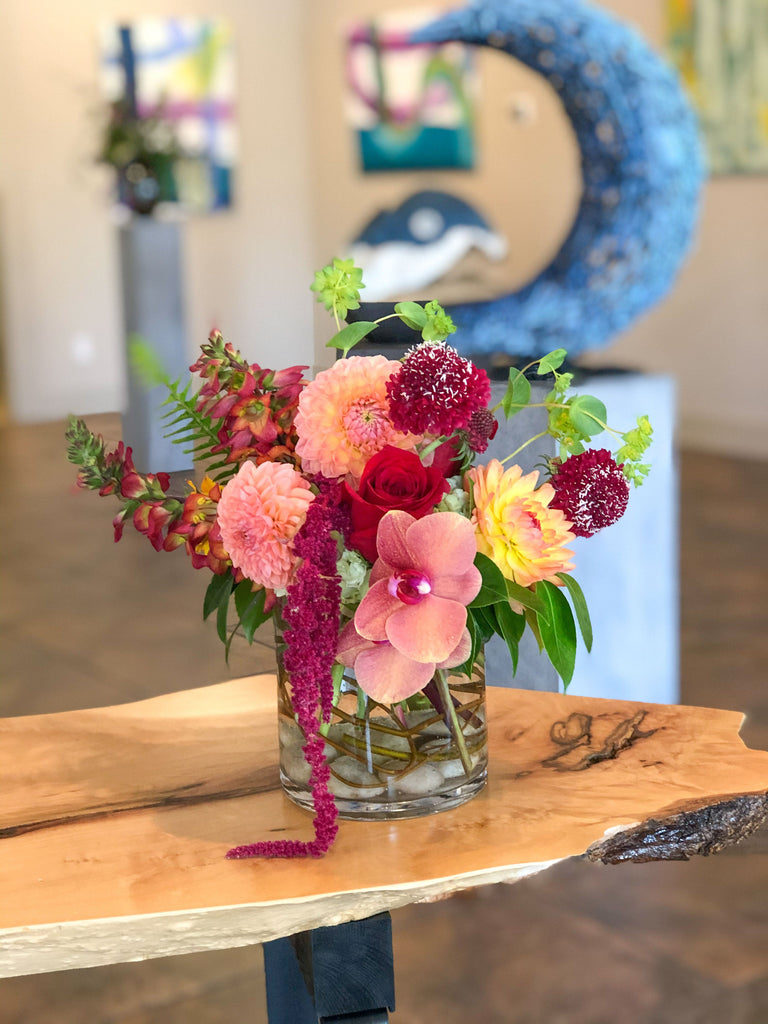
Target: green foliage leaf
point(250, 608)
point(145, 362)
point(579, 606)
point(527, 598)
point(533, 624)
point(587, 414)
point(221, 622)
point(475, 640)
point(412, 314)
point(218, 590)
point(551, 361)
point(558, 630)
point(349, 336)
point(518, 393)
point(511, 627)
point(485, 622)
point(494, 586)
point(338, 286)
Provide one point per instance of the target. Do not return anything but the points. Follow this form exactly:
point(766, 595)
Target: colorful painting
point(410, 105)
point(721, 50)
point(178, 73)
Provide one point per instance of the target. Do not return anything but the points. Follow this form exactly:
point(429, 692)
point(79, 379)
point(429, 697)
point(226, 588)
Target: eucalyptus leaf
point(579, 606)
point(558, 631)
point(349, 336)
point(587, 414)
point(518, 393)
point(551, 361)
point(412, 314)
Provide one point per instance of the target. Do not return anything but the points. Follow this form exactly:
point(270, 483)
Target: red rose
point(392, 479)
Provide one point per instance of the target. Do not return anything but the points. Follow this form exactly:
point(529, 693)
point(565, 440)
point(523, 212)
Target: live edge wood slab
point(114, 822)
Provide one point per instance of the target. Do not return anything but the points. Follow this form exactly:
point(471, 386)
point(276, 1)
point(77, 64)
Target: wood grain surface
point(114, 822)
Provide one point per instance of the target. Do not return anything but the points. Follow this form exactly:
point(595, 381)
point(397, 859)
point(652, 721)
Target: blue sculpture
point(642, 173)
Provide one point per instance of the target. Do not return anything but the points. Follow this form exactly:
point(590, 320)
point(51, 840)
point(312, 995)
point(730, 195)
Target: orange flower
point(343, 418)
point(516, 528)
point(259, 513)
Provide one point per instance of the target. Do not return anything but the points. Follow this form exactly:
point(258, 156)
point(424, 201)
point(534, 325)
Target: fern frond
point(186, 425)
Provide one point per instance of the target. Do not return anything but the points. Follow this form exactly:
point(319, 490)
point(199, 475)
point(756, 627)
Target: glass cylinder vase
point(424, 754)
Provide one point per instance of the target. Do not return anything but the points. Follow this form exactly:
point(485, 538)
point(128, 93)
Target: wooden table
point(114, 822)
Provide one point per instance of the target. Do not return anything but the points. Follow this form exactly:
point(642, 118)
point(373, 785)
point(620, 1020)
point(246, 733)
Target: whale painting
point(403, 250)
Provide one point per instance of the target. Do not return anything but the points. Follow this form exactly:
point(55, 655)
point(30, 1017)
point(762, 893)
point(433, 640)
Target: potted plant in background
point(355, 511)
point(143, 151)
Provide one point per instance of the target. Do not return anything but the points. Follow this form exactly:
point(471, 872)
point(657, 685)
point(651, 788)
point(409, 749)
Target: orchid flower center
point(409, 586)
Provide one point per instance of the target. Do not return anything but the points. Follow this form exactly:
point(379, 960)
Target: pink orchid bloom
point(384, 673)
point(415, 614)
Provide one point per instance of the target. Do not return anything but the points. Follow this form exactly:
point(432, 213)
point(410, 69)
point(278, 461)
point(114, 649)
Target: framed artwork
point(176, 76)
point(410, 105)
point(720, 48)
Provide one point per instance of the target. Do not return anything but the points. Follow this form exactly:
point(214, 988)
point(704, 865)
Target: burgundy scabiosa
point(436, 390)
point(591, 490)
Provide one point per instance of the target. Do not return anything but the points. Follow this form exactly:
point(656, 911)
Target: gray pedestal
point(150, 257)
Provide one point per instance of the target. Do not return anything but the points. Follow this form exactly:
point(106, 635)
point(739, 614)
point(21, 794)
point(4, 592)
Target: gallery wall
point(246, 270)
point(300, 198)
point(709, 333)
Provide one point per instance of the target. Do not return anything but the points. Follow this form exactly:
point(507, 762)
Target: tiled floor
point(85, 622)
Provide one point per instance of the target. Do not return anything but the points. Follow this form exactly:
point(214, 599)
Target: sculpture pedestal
point(150, 260)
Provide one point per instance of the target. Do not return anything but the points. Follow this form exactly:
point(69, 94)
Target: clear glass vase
point(404, 760)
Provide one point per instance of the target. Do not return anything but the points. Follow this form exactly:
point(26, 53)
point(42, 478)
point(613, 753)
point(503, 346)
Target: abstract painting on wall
point(720, 48)
point(411, 106)
point(179, 73)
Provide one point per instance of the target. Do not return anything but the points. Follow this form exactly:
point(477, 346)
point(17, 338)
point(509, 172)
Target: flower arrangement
point(143, 150)
point(353, 509)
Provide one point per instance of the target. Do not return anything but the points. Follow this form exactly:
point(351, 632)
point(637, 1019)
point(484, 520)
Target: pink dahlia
point(591, 490)
point(414, 615)
point(436, 390)
point(259, 513)
point(343, 418)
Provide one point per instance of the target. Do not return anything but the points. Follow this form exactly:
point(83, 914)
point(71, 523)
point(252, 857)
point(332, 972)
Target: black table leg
point(332, 975)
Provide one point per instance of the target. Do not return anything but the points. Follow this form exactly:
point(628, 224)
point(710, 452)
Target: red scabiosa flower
point(591, 490)
point(436, 390)
point(480, 430)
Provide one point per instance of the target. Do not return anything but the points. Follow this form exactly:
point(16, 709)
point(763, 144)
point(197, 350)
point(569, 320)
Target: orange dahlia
point(516, 528)
point(343, 417)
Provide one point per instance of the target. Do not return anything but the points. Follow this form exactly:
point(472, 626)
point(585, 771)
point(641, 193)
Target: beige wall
point(710, 333)
point(300, 198)
point(246, 270)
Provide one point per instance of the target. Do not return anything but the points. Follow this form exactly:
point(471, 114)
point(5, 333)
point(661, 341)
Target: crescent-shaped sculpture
point(642, 172)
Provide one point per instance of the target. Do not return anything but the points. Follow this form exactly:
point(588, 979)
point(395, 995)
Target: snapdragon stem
point(445, 693)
